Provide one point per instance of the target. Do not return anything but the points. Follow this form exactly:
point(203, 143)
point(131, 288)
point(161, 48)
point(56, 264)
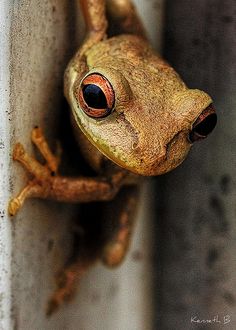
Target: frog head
point(133, 106)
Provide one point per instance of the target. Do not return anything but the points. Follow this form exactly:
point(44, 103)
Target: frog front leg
point(95, 21)
point(47, 184)
point(123, 18)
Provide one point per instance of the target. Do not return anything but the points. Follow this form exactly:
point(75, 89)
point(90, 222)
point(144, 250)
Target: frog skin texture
point(132, 116)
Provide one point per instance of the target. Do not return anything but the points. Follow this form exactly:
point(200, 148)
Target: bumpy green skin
point(147, 132)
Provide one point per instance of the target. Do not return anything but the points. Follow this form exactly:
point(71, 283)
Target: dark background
point(196, 259)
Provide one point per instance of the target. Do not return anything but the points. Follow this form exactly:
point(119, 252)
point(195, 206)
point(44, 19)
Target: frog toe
point(13, 206)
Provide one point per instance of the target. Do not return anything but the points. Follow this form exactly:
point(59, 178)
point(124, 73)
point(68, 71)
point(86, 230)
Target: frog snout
point(203, 125)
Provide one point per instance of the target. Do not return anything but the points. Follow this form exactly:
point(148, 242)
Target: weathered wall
point(40, 37)
point(197, 201)
point(5, 228)
point(42, 41)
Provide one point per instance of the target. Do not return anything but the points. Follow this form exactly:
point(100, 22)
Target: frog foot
point(42, 174)
point(67, 282)
point(64, 293)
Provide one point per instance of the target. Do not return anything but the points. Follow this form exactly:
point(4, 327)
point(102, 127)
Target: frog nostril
point(204, 124)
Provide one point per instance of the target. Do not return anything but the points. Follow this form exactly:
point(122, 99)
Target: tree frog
point(132, 116)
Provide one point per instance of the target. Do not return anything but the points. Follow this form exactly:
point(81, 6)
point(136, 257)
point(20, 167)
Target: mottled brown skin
point(145, 134)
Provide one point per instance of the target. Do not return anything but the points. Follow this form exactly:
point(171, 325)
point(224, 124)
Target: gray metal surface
point(197, 215)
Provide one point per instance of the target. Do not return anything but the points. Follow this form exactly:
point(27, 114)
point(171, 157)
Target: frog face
point(134, 107)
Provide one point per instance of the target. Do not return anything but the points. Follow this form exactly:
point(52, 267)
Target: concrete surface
point(37, 40)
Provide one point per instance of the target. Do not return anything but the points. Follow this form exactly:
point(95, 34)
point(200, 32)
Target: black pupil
point(94, 97)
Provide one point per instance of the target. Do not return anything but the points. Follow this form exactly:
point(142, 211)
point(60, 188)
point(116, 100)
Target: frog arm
point(85, 189)
point(93, 12)
point(47, 184)
point(123, 18)
point(95, 20)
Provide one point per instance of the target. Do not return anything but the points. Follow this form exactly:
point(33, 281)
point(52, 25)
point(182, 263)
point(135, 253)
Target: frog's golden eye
point(96, 96)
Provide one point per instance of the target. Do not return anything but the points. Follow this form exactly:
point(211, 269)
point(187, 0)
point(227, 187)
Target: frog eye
point(96, 96)
point(204, 124)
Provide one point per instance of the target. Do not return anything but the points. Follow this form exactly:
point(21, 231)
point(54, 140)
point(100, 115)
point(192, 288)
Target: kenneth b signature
point(225, 319)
